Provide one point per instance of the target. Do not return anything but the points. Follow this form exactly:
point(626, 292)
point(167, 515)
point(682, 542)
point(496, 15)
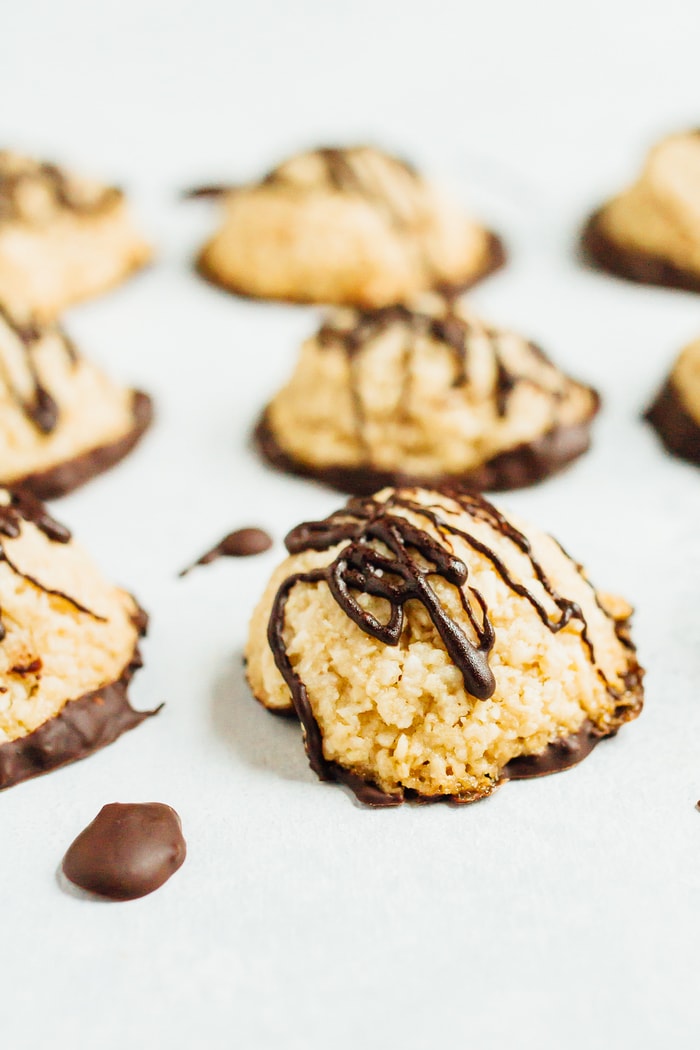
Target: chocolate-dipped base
point(65, 477)
point(516, 468)
point(558, 756)
point(635, 265)
point(83, 725)
point(495, 258)
point(679, 432)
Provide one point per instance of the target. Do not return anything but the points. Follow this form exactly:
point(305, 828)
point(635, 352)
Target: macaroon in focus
point(434, 648)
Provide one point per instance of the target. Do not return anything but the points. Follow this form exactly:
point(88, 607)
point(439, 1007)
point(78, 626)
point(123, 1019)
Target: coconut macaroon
point(63, 238)
point(61, 419)
point(427, 395)
point(68, 646)
point(675, 413)
point(354, 226)
point(433, 648)
point(651, 231)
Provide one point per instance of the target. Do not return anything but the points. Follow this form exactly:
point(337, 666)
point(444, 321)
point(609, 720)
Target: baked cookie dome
point(61, 419)
point(68, 646)
point(651, 231)
point(433, 648)
point(428, 395)
point(675, 413)
point(62, 238)
point(353, 226)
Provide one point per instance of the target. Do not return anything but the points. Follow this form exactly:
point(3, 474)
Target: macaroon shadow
point(263, 740)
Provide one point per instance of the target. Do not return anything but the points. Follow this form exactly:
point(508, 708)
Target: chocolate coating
point(83, 726)
point(239, 544)
point(634, 265)
point(128, 851)
point(679, 432)
point(516, 468)
point(65, 477)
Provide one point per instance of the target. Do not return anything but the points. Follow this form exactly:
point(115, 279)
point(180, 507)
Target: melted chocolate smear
point(367, 527)
point(239, 544)
point(129, 850)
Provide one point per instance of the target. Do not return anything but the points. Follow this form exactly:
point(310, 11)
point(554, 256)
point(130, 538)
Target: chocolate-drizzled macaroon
point(68, 646)
point(351, 226)
point(61, 419)
point(62, 237)
point(675, 413)
point(433, 648)
point(425, 395)
point(651, 231)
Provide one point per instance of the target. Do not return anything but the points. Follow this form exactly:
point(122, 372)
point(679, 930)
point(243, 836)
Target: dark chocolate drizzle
point(25, 507)
point(59, 184)
point(41, 409)
point(450, 329)
point(239, 544)
point(366, 527)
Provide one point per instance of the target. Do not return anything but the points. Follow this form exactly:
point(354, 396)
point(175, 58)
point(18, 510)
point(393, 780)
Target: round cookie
point(651, 231)
point(675, 413)
point(61, 419)
point(68, 646)
point(425, 395)
point(433, 648)
point(353, 226)
point(62, 238)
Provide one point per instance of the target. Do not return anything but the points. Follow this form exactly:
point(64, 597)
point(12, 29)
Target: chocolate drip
point(25, 507)
point(41, 409)
point(239, 544)
point(367, 527)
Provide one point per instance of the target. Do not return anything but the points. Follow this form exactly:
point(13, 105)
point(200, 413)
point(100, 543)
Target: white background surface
point(562, 913)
